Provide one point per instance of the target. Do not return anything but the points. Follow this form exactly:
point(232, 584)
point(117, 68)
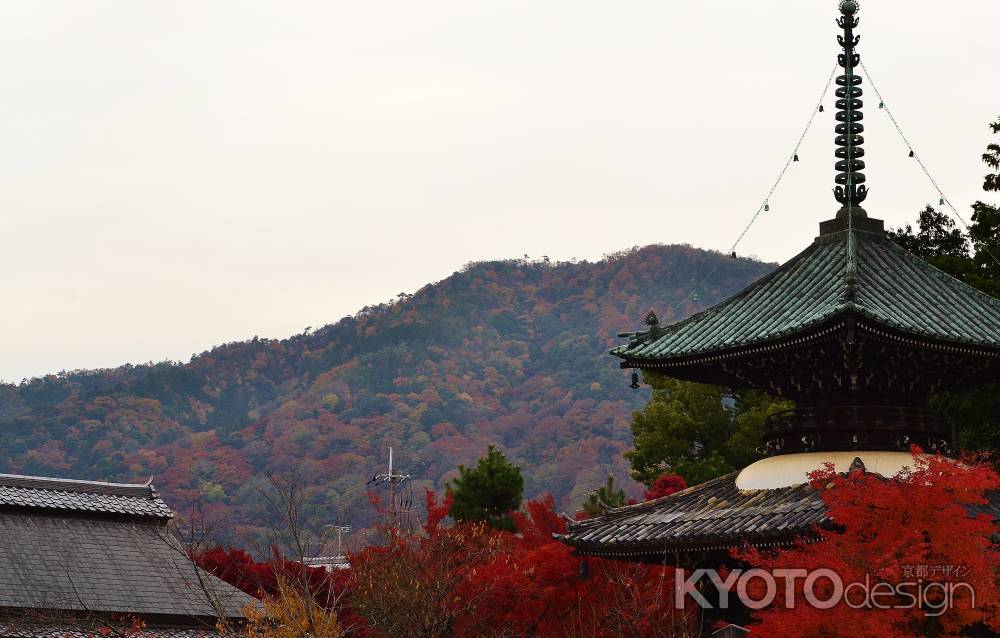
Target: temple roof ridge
point(92, 497)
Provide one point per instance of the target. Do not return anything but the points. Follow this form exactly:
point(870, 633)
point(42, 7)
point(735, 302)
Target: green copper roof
point(894, 288)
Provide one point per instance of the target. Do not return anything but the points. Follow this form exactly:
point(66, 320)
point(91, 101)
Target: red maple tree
point(469, 580)
point(922, 527)
point(665, 485)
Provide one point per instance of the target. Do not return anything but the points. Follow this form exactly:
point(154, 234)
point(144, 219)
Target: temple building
point(856, 331)
point(85, 558)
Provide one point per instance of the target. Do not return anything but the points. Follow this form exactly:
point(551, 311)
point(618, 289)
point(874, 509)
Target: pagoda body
point(854, 329)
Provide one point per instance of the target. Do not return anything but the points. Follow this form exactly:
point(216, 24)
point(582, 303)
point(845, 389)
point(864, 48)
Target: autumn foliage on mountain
point(507, 352)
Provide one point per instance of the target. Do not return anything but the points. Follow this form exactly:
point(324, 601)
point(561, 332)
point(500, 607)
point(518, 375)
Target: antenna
point(395, 480)
point(341, 530)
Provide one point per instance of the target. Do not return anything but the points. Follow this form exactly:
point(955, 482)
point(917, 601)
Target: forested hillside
point(511, 352)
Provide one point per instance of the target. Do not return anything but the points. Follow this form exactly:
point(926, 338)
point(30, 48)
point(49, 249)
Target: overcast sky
point(174, 175)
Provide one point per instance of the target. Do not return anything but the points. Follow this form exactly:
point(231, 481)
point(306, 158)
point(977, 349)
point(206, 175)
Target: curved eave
point(720, 543)
point(711, 516)
point(872, 322)
point(895, 331)
point(895, 290)
point(822, 327)
point(756, 308)
point(783, 338)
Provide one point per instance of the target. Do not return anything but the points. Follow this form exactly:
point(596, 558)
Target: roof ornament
point(850, 190)
point(654, 324)
point(851, 277)
point(640, 338)
point(857, 465)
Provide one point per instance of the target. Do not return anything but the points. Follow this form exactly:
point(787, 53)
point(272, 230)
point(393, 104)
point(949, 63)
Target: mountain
point(512, 352)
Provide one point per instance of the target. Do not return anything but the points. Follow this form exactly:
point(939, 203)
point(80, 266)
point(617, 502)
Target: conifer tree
point(488, 492)
point(697, 431)
point(607, 496)
point(985, 227)
point(938, 240)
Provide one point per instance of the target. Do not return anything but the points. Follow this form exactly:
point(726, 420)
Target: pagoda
point(855, 330)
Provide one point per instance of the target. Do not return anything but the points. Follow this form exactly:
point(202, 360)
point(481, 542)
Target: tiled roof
point(81, 496)
point(707, 516)
point(96, 629)
point(713, 515)
point(894, 288)
point(103, 565)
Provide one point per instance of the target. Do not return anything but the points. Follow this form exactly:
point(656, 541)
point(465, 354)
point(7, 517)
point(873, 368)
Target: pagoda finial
point(850, 190)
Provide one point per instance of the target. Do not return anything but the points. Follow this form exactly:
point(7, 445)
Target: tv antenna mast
point(341, 530)
point(398, 498)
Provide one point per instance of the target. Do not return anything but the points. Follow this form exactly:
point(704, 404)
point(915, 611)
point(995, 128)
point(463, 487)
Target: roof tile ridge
point(804, 486)
point(852, 277)
point(849, 292)
point(638, 507)
point(78, 486)
point(55, 479)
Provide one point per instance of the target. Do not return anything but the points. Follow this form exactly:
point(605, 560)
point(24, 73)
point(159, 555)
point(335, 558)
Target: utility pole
point(395, 479)
point(341, 530)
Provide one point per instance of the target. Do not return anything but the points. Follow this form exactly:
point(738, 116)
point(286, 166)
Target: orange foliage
point(920, 528)
point(512, 352)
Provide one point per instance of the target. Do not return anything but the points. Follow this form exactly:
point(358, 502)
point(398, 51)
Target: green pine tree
point(607, 496)
point(695, 430)
point(488, 492)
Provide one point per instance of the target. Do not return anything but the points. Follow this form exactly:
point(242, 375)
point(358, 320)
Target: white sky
point(174, 175)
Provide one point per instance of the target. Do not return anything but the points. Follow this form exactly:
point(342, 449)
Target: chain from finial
point(850, 190)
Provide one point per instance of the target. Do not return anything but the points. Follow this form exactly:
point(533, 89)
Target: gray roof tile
point(82, 496)
point(86, 546)
point(103, 565)
point(713, 515)
point(709, 514)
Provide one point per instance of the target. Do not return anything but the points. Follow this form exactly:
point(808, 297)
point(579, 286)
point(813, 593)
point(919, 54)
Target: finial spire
point(850, 190)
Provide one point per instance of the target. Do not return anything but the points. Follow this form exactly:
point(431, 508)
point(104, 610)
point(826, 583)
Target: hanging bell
point(695, 297)
point(635, 381)
point(767, 207)
point(911, 152)
point(941, 202)
point(820, 108)
point(881, 105)
point(795, 158)
point(733, 255)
